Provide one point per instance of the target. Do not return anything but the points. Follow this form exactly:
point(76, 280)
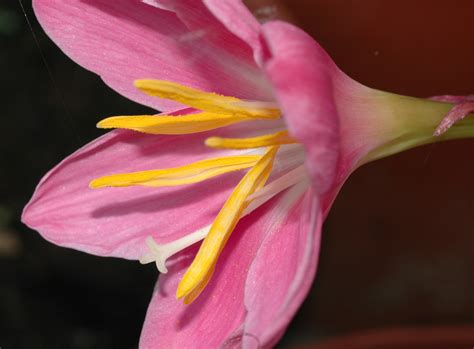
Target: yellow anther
point(199, 273)
point(206, 101)
point(171, 125)
point(191, 173)
point(183, 94)
point(277, 138)
point(194, 293)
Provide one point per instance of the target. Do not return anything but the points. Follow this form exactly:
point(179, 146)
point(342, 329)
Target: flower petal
point(272, 297)
point(242, 28)
point(302, 75)
point(116, 221)
point(217, 317)
point(125, 40)
point(238, 19)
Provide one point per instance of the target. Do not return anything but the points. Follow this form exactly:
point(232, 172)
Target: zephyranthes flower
point(259, 131)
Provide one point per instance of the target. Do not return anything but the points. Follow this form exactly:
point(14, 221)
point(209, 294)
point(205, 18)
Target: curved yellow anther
point(171, 125)
point(199, 273)
point(191, 173)
point(277, 138)
point(206, 101)
point(183, 94)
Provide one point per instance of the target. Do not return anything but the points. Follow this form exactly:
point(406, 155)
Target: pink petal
point(302, 76)
point(125, 40)
point(116, 221)
point(237, 18)
point(337, 119)
point(217, 318)
point(272, 296)
point(199, 20)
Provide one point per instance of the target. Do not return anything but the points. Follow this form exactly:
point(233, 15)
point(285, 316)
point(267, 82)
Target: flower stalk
point(413, 122)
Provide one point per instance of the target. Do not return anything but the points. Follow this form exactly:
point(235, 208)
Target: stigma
point(273, 154)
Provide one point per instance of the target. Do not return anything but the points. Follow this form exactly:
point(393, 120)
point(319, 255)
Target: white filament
point(159, 253)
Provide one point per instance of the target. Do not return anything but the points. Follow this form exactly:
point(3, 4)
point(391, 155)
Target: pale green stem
point(414, 121)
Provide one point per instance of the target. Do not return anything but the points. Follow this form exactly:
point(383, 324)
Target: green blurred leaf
point(9, 22)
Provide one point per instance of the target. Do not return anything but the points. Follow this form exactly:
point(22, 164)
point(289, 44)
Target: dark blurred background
point(397, 247)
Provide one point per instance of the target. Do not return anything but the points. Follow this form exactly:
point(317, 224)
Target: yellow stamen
point(171, 125)
point(206, 101)
point(277, 138)
point(183, 94)
point(195, 292)
point(191, 173)
point(199, 273)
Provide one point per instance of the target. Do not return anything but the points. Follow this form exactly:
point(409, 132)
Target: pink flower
point(284, 111)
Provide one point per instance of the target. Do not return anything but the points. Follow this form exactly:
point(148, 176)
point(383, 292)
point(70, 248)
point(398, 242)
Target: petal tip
point(25, 216)
point(32, 215)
